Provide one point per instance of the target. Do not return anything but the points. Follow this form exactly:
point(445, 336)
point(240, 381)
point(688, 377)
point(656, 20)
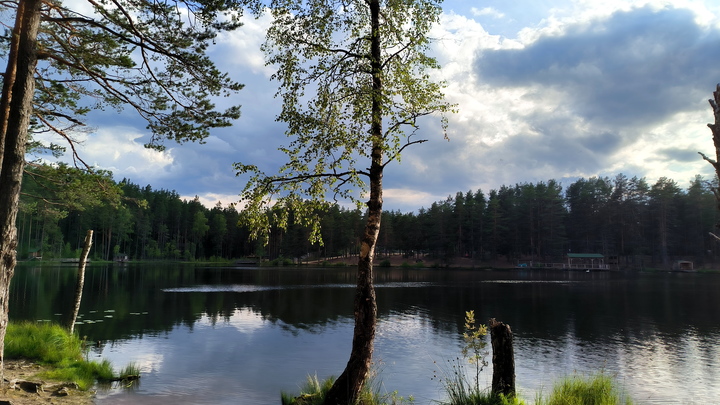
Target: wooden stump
point(503, 358)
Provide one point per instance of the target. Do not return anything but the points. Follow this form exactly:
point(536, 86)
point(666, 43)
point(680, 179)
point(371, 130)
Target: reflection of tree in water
point(592, 307)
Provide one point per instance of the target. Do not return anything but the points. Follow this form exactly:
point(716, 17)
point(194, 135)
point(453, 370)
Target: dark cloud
point(632, 68)
point(679, 155)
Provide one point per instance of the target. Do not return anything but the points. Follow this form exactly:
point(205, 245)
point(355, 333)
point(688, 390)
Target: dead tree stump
point(503, 358)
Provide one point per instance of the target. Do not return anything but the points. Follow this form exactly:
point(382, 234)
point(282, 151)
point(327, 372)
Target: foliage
point(318, 49)
point(148, 56)
point(280, 261)
point(474, 348)
point(149, 224)
point(52, 345)
point(599, 389)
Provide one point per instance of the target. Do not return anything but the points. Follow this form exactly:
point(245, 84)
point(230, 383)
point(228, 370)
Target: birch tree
point(354, 79)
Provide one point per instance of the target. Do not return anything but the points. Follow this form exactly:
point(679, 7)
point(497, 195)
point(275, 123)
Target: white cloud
point(246, 320)
point(118, 149)
point(396, 197)
point(210, 200)
point(241, 48)
point(489, 11)
point(623, 116)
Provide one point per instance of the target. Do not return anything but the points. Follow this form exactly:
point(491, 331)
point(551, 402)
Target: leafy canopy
point(327, 83)
point(149, 56)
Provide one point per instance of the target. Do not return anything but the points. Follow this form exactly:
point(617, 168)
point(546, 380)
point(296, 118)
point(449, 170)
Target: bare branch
point(71, 142)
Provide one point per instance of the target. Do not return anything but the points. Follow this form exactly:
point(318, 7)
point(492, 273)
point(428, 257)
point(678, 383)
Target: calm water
point(220, 335)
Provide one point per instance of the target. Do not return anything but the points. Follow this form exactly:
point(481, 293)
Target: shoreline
point(49, 392)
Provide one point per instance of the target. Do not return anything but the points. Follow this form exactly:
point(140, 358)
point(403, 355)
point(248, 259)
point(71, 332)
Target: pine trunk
point(16, 119)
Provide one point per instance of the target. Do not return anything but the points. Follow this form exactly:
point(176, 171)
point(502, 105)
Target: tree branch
point(71, 142)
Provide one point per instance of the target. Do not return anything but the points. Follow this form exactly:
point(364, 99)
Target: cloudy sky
point(545, 90)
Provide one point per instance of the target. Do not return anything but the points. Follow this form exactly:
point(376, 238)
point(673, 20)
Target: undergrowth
point(53, 346)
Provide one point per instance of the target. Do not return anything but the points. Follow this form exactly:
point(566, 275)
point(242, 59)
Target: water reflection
point(194, 330)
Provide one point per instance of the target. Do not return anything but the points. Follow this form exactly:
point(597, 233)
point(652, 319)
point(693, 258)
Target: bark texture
point(715, 128)
point(346, 388)
point(80, 279)
point(503, 359)
point(16, 117)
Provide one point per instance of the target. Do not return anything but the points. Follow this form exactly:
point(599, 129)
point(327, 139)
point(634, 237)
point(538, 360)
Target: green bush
point(280, 261)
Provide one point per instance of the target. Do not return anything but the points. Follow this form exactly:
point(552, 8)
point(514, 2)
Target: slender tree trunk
point(15, 121)
point(81, 278)
point(351, 381)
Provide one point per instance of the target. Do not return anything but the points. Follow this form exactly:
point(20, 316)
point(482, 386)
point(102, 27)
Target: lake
point(234, 335)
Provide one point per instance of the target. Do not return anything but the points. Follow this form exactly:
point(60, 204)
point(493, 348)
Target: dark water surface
point(222, 335)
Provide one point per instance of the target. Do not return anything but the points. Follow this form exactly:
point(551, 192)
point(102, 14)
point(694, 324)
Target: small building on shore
point(683, 265)
point(121, 258)
point(586, 261)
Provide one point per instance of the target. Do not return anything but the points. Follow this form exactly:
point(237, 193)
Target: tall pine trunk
point(15, 110)
point(346, 388)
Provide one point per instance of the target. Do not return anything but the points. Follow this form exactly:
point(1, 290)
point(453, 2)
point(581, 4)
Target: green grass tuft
point(42, 342)
point(313, 392)
point(599, 389)
point(53, 346)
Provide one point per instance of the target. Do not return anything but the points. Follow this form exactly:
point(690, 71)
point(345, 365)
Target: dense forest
point(640, 223)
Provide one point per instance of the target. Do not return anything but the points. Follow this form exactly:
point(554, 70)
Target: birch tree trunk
point(80, 279)
point(16, 104)
point(346, 388)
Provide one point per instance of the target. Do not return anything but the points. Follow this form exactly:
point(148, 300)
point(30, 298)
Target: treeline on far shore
point(620, 216)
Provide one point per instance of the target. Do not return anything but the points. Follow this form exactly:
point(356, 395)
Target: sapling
point(474, 348)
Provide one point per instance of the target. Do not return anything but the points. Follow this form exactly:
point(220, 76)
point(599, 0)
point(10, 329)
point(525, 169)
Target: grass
point(53, 346)
point(599, 389)
point(314, 390)
point(459, 390)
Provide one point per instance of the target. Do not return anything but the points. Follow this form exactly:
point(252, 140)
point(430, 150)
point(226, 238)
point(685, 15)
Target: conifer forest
point(643, 224)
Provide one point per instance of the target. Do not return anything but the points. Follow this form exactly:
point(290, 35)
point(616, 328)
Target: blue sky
point(544, 90)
